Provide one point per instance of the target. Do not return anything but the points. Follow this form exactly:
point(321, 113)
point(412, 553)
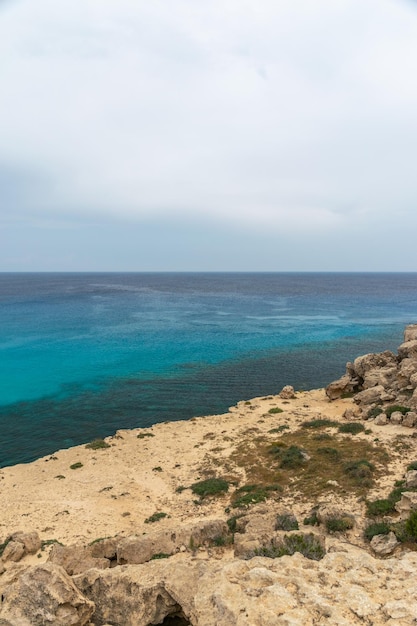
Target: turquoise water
point(84, 354)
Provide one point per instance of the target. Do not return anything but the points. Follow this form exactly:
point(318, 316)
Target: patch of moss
point(275, 410)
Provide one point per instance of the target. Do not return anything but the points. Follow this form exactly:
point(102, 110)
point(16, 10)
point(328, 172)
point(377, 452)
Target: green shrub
point(210, 487)
point(379, 508)
point(378, 528)
point(312, 520)
point(279, 429)
point(253, 494)
point(180, 489)
point(308, 545)
point(158, 468)
point(331, 453)
point(337, 524)
point(97, 444)
point(412, 466)
point(75, 466)
point(319, 423)
point(396, 407)
point(143, 435)
point(275, 409)
point(292, 458)
point(376, 410)
point(411, 525)
point(360, 471)
point(155, 517)
point(286, 521)
point(3, 545)
point(351, 427)
point(160, 555)
point(232, 522)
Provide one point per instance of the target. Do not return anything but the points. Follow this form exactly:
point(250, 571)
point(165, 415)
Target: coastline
point(118, 487)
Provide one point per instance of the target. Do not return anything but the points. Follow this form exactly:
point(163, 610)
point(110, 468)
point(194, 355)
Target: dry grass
point(353, 462)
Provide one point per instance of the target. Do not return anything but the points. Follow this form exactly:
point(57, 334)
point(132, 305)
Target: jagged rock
point(409, 419)
point(383, 545)
point(407, 369)
point(396, 417)
point(372, 396)
point(14, 551)
point(76, 559)
point(30, 541)
point(381, 420)
point(407, 503)
point(411, 479)
point(345, 588)
point(385, 376)
point(287, 393)
point(368, 362)
point(340, 387)
point(408, 349)
point(410, 332)
point(43, 595)
point(353, 413)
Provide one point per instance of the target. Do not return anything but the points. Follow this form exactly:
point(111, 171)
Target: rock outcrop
point(383, 380)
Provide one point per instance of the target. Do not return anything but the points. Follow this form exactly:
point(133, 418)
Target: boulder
point(396, 418)
point(406, 371)
point(287, 393)
point(339, 387)
point(364, 364)
point(381, 420)
point(374, 395)
point(410, 419)
point(44, 595)
point(14, 551)
point(385, 376)
point(353, 413)
point(76, 559)
point(411, 479)
point(30, 541)
point(383, 545)
point(407, 503)
point(408, 349)
point(410, 332)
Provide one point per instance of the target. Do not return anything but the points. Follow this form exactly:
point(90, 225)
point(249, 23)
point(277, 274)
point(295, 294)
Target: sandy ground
point(117, 488)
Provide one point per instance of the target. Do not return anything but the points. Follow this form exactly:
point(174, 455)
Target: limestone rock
point(353, 413)
point(396, 418)
point(410, 332)
point(76, 559)
point(408, 349)
point(30, 541)
point(368, 362)
point(43, 595)
point(409, 419)
point(373, 395)
point(407, 503)
point(287, 393)
point(383, 545)
point(385, 376)
point(411, 479)
point(381, 419)
point(14, 551)
point(340, 387)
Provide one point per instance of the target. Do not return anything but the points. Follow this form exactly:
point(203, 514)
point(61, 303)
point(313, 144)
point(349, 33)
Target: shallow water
point(84, 354)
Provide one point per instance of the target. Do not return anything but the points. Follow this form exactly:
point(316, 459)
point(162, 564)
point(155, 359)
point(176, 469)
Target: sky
point(224, 135)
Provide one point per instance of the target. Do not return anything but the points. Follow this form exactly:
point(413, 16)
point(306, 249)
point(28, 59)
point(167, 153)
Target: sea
point(85, 354)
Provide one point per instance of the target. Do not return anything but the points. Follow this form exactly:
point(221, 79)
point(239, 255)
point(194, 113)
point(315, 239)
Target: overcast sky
point(265, 135)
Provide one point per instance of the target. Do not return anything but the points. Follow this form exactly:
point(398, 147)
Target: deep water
point(82, 355)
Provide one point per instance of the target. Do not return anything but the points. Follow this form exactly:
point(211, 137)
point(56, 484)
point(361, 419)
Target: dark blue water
point(84, 354)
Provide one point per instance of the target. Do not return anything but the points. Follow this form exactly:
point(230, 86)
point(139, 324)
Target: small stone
point(31, 541)
point(381, 420)
point(384, 544)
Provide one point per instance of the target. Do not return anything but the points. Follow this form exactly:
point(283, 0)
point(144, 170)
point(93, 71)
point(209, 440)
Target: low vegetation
point(308, 545)
point(286, 521)
point(337, 524)
point(252, 494)
point(210, 487)
point(155, 517)
point(352, 428)
point(77, 465)
point(98, 444)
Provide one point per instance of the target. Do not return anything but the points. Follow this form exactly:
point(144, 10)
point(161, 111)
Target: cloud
point(277, 115)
